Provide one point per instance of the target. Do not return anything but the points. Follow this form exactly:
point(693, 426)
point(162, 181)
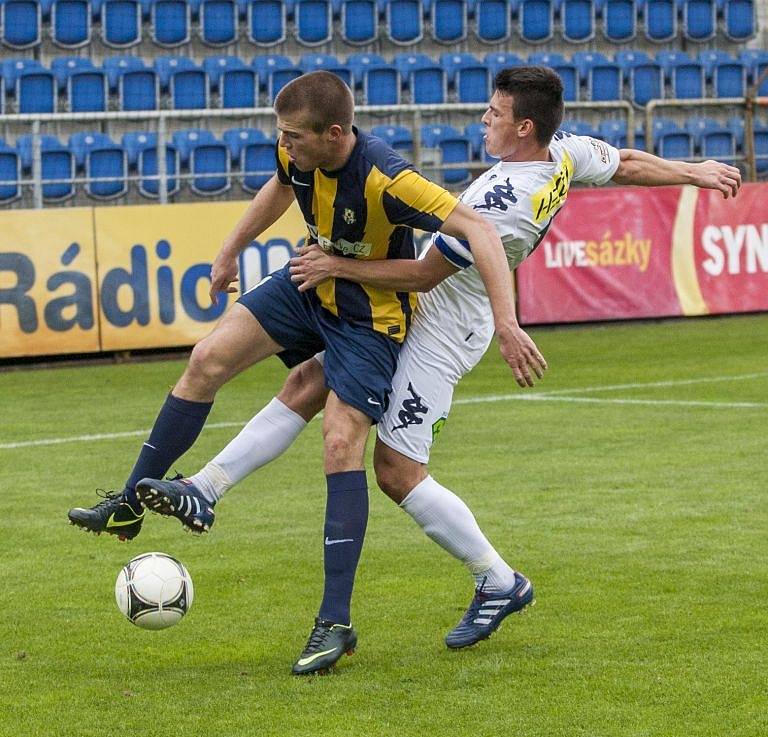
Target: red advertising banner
point(631, 253)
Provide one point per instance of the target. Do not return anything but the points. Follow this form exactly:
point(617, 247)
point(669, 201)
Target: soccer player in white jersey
point(453, 326)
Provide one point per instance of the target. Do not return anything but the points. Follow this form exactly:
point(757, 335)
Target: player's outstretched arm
point(271, 201)
point(644, 169)
point(516, 346)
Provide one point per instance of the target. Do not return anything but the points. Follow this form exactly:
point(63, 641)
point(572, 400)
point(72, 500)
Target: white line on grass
point(553, 396)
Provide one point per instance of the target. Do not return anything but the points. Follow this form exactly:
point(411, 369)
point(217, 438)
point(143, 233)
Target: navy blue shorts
point(359, 362)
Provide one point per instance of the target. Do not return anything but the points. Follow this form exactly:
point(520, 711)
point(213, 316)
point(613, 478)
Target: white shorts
point(422, 392)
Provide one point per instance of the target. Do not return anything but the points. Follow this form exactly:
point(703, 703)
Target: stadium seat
point(603, 78)
point(671, 141)
point(215, 66)
point(729, 79)
point(133, 142)
point(257, 165)
point(448, 20)
point(537, 20)
point(313, 19)
point(35, 91)
point(699, 19)
point(217, 25)
point(108, 163)
point(208, 160)
point(266, 22)
point(619, 19)
point(684, 75)
point(397, 136)
point(404, 21)
point(428, 85)
point(188, 89)
point(10, 173)
point(167, 65)
point(239, 88)
point(761, 148)
point(739, 19)
point(81, 143)
point(756, 61)
point(120, 23)
point(359, 21)
point(145, 147)
point(57, 162)
point(381, 85)
point(20, 21)
point(614, 132)
point(138, 89)
point(278, 78)
point(492, 20)
point(63, 66)
point(454, 148)
point(170, 21)
point(24, 148)
point(114, 66)
point(467, 75)
point(577, 20)
point(87, 91)
point(712, 139)
point(660, 20)
point(498, 60)
point(236, 138)
point(644, 75)
point(70, 23)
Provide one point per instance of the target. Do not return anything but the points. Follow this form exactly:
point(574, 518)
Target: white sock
point(450, 523)
point(264, 438)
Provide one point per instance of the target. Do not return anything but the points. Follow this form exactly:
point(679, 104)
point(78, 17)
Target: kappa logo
point(349, 216)
point(412, 408)
point(499, 197)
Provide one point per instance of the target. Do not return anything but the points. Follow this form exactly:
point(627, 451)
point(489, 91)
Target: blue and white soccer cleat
point(488, 611)
point(178, 498)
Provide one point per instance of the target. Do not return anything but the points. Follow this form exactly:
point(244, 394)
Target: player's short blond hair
point(322, 97)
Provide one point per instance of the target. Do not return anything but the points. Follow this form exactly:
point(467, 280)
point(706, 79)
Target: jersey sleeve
point(281, 164)
point(410, 199)
point(594, 161)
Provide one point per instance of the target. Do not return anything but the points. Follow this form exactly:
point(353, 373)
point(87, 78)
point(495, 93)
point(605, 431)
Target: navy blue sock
point(346, 516)
point(175, 431)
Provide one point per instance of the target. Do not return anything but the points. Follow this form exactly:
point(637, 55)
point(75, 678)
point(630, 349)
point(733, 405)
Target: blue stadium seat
point(644, 75)
point(448, 20)
point(619, 19)
point(21, 22)
point(467, 75)
point(729, 79)
point(57, 163)
point(108, 163)
point(10, 173)
point(428, 85)
point(699, 19)
point(475, 132)
point(712, 139)
point(70, 23)
point(114, 66)
point(454, 147)
point(278, 78)
point(739, 19)
point(397, 136)
point(407, 61)
point(266, 22)
point(710, 57)
point(236, 138)
point(566, 70)
point(359, 21)
point(35, 91)
point(671, 141)
point(257, 165)
point(138, 89)
point(210, 166)
point(498, 60)
point(537, 20)
point(492, 20)
point(170, 21)
point(404, 21)
point(577, 20)
point(63, 66)
point(239, 88)
point(214, 66)
point(167, 65)
point(381, 85)
point(603, 78)
point(357, 63)
point(329, 63)
point(146, 164)
point(660, 20)
point(87, 91)
point(761, 147)
point(314, 21)
point(134, 142)
point(81, 143)
point(684, 75)
point(24, 148)
point(756, 61)
point(120, 23)
point(614, 132)
point(12, 68)
point(188, 89)
point(217, 25)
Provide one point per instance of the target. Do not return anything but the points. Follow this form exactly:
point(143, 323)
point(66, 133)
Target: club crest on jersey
point(349, 216)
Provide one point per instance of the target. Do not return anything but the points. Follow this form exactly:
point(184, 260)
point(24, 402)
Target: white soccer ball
point(154, 591)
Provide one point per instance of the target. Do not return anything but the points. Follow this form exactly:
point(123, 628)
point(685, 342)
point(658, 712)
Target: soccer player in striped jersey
point(360, 200)
point(452, 325)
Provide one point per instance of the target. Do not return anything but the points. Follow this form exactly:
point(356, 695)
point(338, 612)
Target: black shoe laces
point(318, 636)
point(109, 498)
point(477, 602)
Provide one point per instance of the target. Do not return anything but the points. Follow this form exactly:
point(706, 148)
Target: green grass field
point(630, 486)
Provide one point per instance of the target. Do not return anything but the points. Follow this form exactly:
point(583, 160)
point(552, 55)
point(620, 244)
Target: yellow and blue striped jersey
point(367, 210)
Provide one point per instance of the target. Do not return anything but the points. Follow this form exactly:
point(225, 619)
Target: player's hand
point(311, 267)
point(521, 354)
point(223, 274)
point(714, 175)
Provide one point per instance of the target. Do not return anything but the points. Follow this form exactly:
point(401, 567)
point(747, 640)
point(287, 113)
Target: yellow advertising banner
point(122, 278)
point(48, 287)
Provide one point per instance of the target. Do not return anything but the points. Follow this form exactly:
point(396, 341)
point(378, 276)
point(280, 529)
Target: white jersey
point(520, 199)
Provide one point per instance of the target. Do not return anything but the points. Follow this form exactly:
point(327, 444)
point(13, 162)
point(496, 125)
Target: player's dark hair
point(537, 94)
point(322, 96)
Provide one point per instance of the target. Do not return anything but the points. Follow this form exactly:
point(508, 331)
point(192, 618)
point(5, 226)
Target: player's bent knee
point(304, 390)
point(206, 367)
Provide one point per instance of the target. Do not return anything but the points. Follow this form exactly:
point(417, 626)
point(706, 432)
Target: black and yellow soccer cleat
point(113, 514)
point(326, 644)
